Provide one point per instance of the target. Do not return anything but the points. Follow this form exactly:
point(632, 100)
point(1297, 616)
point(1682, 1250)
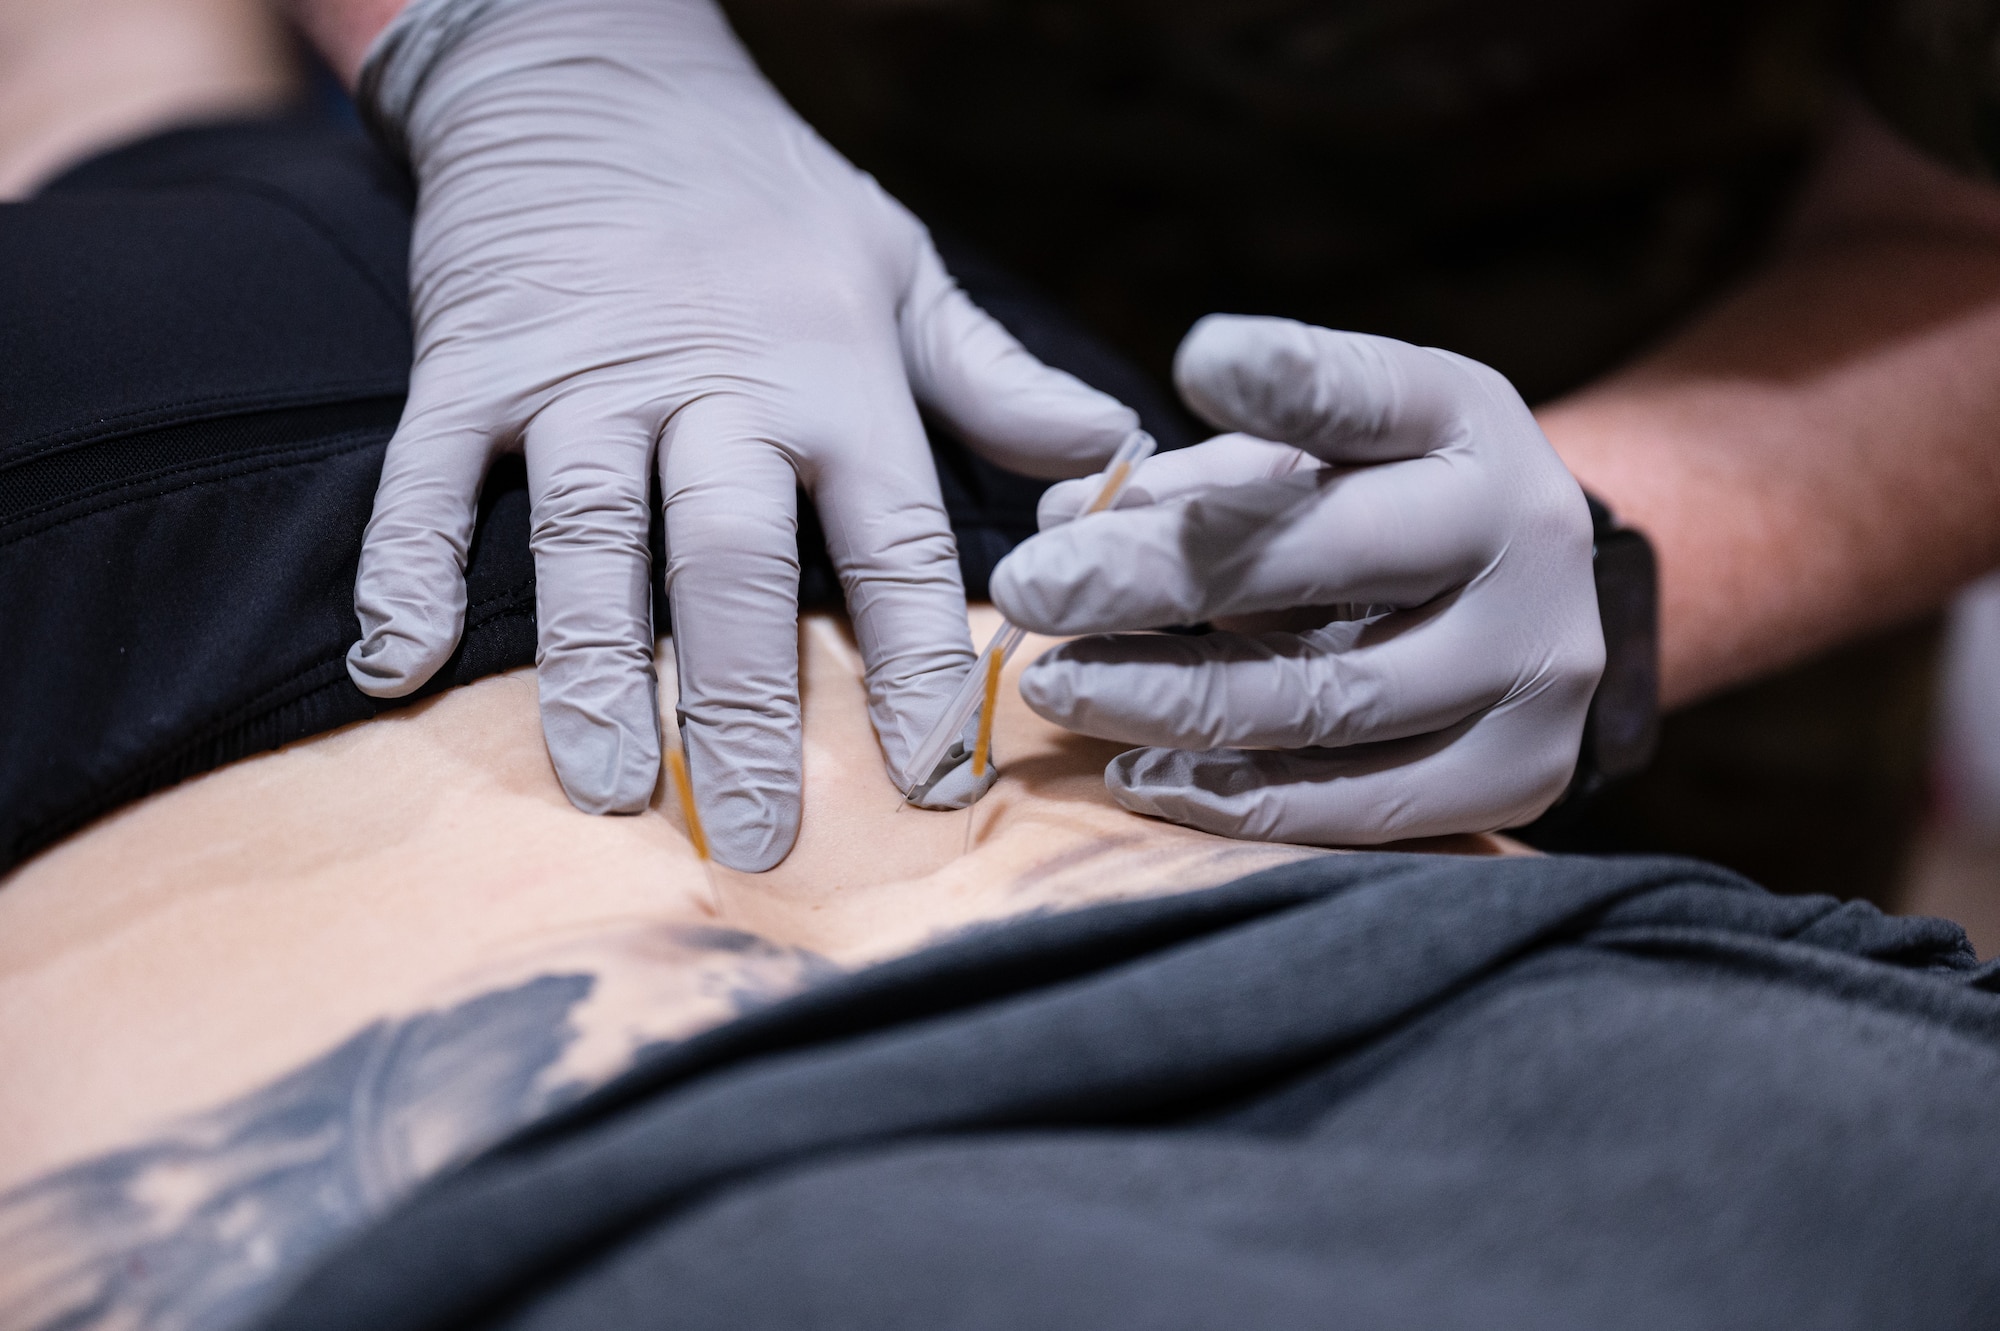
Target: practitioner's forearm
point(343, 29)
point(1820, 455)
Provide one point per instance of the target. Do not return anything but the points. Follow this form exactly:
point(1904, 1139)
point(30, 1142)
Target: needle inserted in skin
point(927, 763)
point(684, 790)
point(984, 745)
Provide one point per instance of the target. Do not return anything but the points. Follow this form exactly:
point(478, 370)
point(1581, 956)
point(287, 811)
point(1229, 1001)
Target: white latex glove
point(1413, 500)
point(628, 248)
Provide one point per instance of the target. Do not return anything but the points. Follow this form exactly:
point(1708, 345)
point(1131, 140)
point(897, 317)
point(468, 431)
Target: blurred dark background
point(1543, 185)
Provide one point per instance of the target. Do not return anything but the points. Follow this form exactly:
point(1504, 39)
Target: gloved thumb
point(1007, 405)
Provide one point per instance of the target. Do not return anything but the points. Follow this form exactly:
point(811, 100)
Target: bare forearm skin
point(343, 29)
point(1820, 455)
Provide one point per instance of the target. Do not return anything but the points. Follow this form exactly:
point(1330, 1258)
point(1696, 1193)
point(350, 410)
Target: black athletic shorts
point(204, 344)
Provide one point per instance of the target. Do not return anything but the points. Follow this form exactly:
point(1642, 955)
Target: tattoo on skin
point(199, 1226)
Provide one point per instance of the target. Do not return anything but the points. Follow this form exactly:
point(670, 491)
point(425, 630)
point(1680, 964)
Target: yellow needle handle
point(684, 788)
point(1108, 492)
point(984, 744)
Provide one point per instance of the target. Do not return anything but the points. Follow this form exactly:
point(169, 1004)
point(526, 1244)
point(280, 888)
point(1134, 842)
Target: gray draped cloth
point(1370, 1090)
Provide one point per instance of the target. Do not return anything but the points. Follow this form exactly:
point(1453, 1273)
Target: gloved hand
point(627, 247)
point(1415, 503)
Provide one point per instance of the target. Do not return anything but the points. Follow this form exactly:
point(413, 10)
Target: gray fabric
point(1369, 1091)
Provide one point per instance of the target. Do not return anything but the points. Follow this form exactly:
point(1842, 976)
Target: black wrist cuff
point(1624, 721)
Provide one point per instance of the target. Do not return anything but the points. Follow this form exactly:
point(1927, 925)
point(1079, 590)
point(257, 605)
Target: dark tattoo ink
point(195, 1229)
point(190, 1230)
point(768, 973)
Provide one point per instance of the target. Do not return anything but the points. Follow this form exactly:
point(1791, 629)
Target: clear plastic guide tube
point(930, 755)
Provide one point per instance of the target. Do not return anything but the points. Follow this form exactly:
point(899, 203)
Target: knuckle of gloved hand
point(1558, 670)
point(1340, 710)
point(1577, 667)
point(1478, 375)
point(1478, 392)
point(1542, 783)
point(1095, 687)
point(890, 211)
point(1541, 731)
point(1190, 600)
point(907, 240)
point(1537, 503)
point(1467, 510)
point(1496, 426)
point(822, 304)
point(589, 516)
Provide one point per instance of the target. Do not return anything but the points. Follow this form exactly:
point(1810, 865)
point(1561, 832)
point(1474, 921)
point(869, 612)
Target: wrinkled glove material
point(632, 262)
point(1405, 492)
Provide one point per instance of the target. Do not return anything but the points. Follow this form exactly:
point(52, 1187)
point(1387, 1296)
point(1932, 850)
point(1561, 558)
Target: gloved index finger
point(1230, 459)
point(1343, 397)
point(1398, 534)
point(409, 591)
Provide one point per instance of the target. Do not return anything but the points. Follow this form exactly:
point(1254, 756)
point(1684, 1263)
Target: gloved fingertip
point(1135, 772)
point(956, 787)
point(1241, 372)
point(1181, 786)
point(749, 831)
point(1205, 346)
point(387, 665)
point(1136, 796)
point(603, 766)
point(1048, 686)
point(1222, 342)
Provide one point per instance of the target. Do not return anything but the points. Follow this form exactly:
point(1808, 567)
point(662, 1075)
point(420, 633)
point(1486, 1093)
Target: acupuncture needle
point(982, 682)
point(983, 745)
point(677, 768)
